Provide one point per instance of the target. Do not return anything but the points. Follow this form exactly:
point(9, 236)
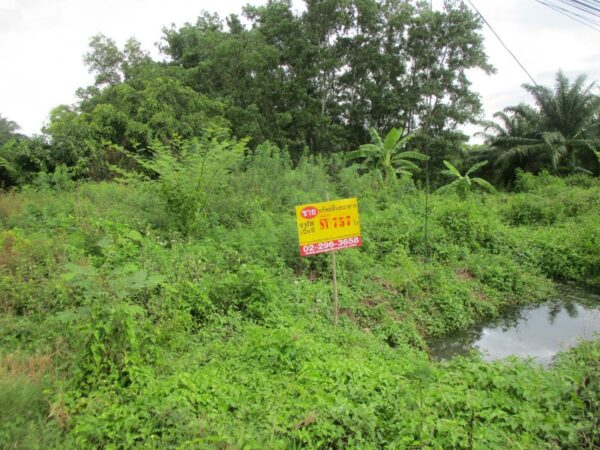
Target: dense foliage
point(320, 81)
point(316, 80)
point(560, 134)
point(151, 290)
point(174, 310)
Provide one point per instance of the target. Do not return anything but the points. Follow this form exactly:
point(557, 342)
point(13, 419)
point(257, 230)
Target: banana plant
point(463, 184)
point(388, 157)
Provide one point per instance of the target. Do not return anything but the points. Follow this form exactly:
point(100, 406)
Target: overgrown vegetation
point(151, 290)
point(126, 322)
point(316, 81)
point(559, 134)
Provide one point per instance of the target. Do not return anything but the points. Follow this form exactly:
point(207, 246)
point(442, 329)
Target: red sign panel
point(329, 246)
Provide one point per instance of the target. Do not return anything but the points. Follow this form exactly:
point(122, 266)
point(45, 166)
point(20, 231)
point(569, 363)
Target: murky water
point(538, 331)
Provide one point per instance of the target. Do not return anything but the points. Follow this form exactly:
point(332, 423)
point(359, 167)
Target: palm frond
point(557, 147)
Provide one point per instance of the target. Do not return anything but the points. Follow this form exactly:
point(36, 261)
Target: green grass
point(215, 333)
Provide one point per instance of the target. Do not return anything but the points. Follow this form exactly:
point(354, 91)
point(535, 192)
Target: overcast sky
point(42, 43)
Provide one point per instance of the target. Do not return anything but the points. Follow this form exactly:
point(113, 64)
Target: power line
point(574, 13)
point(582, 6)
point(503, 44)
point(574, 16)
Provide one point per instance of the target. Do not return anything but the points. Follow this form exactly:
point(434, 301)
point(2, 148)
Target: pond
point(536, 331)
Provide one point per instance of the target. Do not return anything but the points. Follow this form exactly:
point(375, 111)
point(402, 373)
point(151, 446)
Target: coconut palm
point(463, 184)
point(388, 157)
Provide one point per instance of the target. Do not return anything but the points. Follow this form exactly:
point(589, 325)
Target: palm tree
point(463, 184)
point(569, 113)
point(513, 142)
point(560, 134)
point(388, 157)
point(8, 130)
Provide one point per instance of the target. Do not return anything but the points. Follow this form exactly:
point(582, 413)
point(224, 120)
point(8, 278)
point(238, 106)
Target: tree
point(314, 79)
point(388, 157)
point(568, 116)
point(8, 130)
point(559, 134)
point(22, 159)
point(104, 59)
point(111, 65)
point(463, 184)
point(130, 115)
point(511, 143)
point(318, 78)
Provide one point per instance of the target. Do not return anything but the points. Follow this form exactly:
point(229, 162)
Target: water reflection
point(538, 332)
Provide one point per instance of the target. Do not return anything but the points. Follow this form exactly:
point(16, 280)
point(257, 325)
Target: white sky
point(42, 43)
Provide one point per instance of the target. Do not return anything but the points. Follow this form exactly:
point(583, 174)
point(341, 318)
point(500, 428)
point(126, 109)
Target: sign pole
point(336, 309)
point(336, 304)
point(328, 227)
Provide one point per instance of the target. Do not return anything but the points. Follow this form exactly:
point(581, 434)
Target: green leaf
point(408, 164)
point(453, 170)
point(375, 137)
point(405, 140)
point(364, 151)
point(476, 167)
point(404, 172)
point(75, 271)
point(105, 242)
point(391, 138)
point(134, 235)
point(413, 155)
point(484, 184)
point(448, 187)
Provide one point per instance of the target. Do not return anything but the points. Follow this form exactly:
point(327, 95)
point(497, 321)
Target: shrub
point(528, 182)
point(467, 225)
point(189, 175)
point(531, 209)
point(25, 415)
point(250, 290)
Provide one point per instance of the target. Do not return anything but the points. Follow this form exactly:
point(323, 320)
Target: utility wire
point(588, 22)
point(582, 6)
point(576, 14)
point(503, 44)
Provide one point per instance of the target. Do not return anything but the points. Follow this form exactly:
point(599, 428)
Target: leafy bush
point(190, 175)
point(25, 414)
point(582, 180)
point(528, 182)
point(530, 209)
point(467, 225)
point(208, 330)
point(61, 179)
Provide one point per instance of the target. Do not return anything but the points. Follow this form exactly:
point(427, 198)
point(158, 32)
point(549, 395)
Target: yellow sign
point(328, 226)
